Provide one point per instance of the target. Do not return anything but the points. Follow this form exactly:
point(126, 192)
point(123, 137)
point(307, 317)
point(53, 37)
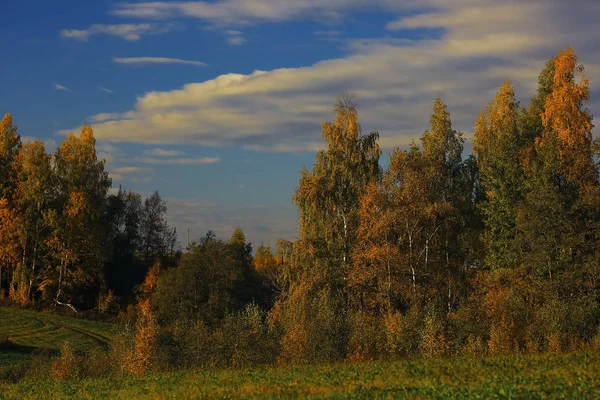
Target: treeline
point(435, 254)
point(64, 240)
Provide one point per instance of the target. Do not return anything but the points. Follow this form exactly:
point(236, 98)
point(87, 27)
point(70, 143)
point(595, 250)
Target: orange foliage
point(64, 367)
point(143, 356)
point(564, 116)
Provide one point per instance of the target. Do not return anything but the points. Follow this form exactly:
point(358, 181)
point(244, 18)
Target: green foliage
point(211, 280)
point(530, 377)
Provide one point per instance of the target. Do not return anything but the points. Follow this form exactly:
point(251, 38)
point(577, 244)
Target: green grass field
point(574, 376)
point(568, 376)
point(29, 331)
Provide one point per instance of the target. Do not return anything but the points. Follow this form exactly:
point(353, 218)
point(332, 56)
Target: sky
point(219, 104)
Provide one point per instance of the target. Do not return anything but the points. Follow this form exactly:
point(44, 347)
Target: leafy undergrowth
point(24, 332)
point(526, 377)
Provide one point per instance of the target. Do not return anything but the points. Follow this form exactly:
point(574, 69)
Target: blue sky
point(219, 104)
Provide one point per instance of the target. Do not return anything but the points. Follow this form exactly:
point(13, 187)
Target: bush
point(433, 337)
point(245, 338)
point(402, 333)
point(65, 366)
point(366, 339)
point(143, 356)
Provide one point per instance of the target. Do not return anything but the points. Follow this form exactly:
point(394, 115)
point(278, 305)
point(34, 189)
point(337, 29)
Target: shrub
point(366, 337)
point(433, 337)
point(402, 336)
point(144, 352)
point(65, 366)
point(109, 304)
point(245, 338)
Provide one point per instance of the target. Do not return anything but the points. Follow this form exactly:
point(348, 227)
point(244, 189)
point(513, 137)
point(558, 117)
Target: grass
point(510, 377)
point(503, 377)
point(22, 332)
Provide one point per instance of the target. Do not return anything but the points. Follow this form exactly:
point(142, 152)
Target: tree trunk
point(389, 286)
point(60, 285)
point(32, 273)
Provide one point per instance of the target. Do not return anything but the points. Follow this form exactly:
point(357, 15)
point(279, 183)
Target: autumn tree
point(34, 196)
point(10, 144)
point(76, 242)
point(497, 145)
point(562, 178)
point(312, 311)
point(9, 241)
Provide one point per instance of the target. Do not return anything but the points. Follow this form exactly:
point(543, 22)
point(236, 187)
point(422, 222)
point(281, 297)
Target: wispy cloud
point(102, 117)
point(236, 12)
point(395, 79)
point(261, 223)
point(235, 38)
point(131, 32)
point(178, 161)
point(105, 90)
point(163, 153)
point(131, 174)
point(156, 60)
point(330, 35)
point(61, 87)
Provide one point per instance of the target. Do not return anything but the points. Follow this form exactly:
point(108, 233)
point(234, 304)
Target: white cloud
point(49, 144)
point(329, 35)
point(61, 88)
point(110, 153)
point(396, 80)
point(240, 12)
point(235, 38)
point(163, 153)
point(178, 161)
point(105, 90)
point(105, 117)
point(156, 60)
point(130, 32)
point(261, 223)
point(130, 174)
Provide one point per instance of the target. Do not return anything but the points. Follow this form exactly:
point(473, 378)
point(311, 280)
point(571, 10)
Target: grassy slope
point(30, 330)
point(527, 377)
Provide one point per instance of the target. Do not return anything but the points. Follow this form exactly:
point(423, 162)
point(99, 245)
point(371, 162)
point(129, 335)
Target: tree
point(556, 217)
point(328, 197)
point(9, 240)
point(248, 288)
point(76, 242)
point(10, 144)
point(565, 117)
point(312, 310)
point(158, 239)
point(34, 196)
point(125, 269)
point(497, 144)
point(202, 286)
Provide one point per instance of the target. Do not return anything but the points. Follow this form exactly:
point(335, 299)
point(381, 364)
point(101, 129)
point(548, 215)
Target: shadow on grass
point(7, 345)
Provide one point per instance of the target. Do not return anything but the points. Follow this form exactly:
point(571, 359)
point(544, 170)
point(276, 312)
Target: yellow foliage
point(64, 367)
point(143, 356)
point(294, 342)
point(433, 339)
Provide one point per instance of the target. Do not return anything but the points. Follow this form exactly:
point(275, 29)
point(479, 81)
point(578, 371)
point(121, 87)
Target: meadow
point(26, 332)
point(510, 377)
point(503, 377)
